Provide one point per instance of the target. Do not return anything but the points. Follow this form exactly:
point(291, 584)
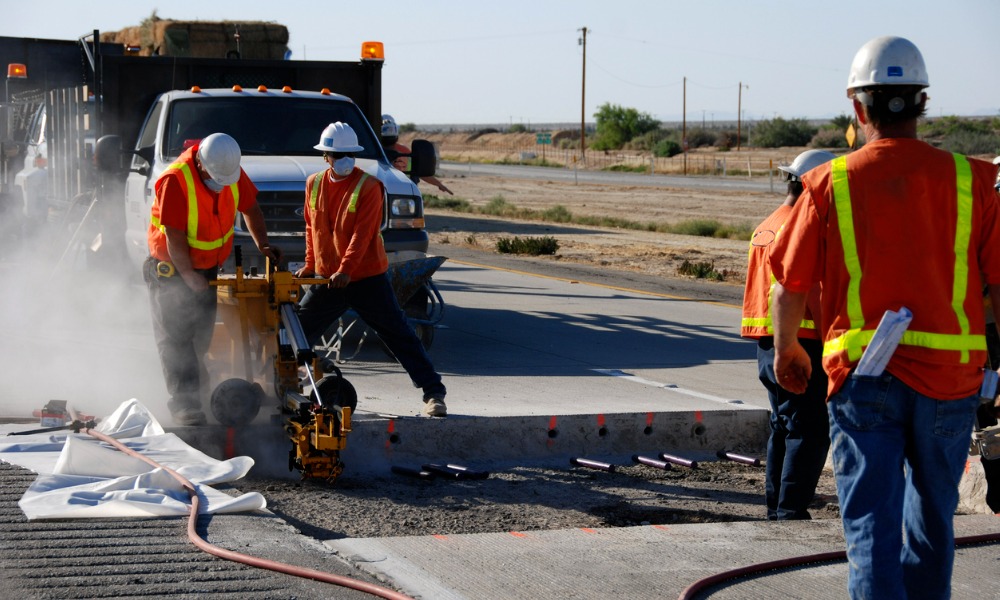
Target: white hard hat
point(996, 161)
point(220, 155)
point(807, 161)
point(888, 60)
point(338, 137)
point(389, 127)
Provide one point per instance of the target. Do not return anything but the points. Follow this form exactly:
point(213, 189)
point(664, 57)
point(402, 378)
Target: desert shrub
point(497, 206)
point(966, 136)
point(455, 204)
point(518, 128)
point(839, 122)
point(648, 140)
point(557, 214)
point(778, 132)
point(528, 245)
point(710, 228)
point(617, 125)
point(407, 128)
point(667, 148)
point(700, 138)
point(701, 270)
point(627, 168)
point(828, 138)
point(725, 139)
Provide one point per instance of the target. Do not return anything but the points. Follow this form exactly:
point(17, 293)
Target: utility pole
point(684, 121)
point(583, 95)
point(739, 123)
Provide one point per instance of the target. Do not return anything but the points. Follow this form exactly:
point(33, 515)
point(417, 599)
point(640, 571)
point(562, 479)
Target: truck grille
point(283, 211)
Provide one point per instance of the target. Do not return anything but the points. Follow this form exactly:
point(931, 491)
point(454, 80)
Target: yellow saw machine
point(259, 336)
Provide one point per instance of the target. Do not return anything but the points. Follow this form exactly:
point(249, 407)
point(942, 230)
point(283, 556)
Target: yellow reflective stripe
point(756, 322)
point(192, 225)
point(845, 223)
point(314, 190)
point(353, 206)
point(963, 232)
point(924, 339)
point(769, 324)
point(855, 339)
point(192, 230)
point(235, 190)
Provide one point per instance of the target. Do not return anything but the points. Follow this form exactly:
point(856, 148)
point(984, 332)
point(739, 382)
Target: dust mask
point(343, 166)
point(212, 185)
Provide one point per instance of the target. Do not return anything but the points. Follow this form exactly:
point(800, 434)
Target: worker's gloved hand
point(339, 280)
point(194, 280)
point(272, 252)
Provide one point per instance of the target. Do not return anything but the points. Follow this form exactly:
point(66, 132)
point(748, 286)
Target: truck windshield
point(283, 126)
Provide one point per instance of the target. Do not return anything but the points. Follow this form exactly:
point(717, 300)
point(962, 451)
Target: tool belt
point(154, 269)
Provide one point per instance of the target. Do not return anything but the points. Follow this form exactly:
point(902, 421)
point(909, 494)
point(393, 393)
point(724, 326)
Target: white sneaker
point(435, 407)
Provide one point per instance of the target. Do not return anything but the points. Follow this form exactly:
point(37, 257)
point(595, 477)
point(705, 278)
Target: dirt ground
point(659, 254)
point(526, 499)
point(534, 498)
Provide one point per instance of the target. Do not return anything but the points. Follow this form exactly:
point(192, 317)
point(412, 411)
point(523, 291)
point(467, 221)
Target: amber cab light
point(17, 71)
point(372, 51)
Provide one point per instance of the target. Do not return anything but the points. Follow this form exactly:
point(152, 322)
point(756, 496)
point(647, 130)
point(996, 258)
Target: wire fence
point(717, 163)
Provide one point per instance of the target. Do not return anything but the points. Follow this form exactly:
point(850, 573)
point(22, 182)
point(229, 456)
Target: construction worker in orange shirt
point(399, 154)
point(190, 236)
point(343, 214)
point(799, 438)
point(895, 225)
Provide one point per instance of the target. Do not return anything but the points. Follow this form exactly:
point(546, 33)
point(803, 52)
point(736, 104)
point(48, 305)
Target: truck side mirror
point(423, 159)
point(108, 153)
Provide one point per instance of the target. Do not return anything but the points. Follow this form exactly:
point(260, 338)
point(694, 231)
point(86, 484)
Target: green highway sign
point(543, 138)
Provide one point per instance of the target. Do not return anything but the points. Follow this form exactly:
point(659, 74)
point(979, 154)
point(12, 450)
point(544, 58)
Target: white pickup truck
point(276, 130)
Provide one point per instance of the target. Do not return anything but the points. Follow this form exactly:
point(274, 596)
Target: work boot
point(189, 417)
point(434, 406)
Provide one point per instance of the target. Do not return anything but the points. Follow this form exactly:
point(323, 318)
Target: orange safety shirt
point(756, 321)
point(919, 231)
point(343, 222)
point(184, 202)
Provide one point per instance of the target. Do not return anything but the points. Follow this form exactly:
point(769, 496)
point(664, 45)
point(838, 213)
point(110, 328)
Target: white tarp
point(80, 477)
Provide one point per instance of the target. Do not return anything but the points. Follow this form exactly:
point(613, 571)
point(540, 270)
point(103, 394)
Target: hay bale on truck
point(205, 39)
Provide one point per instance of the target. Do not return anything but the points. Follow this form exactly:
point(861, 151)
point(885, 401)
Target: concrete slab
point(634, 562)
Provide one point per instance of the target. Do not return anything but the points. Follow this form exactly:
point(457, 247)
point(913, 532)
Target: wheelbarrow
point(410, 277)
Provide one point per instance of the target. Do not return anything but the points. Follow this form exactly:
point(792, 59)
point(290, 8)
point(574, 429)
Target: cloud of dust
point(74, 326)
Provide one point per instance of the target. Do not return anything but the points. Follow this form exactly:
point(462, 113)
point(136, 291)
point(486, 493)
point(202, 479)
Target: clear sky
point(518, 61)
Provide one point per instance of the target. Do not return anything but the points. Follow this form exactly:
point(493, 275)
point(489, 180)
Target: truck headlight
point(403, 207)
point(403, 212)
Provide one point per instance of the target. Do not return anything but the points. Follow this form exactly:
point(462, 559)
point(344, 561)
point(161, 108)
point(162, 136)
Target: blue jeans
point(898, 457)
point(375, 302)
point(800, 436)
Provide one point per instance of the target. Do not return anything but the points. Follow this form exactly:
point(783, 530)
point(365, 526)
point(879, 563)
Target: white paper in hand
point(889, 332)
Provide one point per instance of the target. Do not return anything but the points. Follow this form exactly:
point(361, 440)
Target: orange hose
point(246, 559)
point(690, 591)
